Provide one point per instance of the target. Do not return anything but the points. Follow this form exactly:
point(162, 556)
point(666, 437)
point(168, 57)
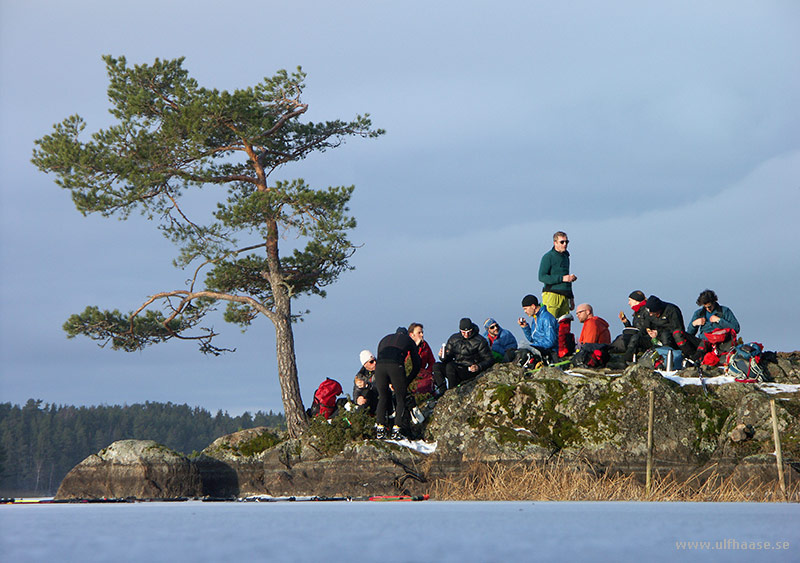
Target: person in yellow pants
point(554, 273)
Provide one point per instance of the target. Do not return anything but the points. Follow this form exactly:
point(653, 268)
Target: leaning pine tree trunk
point(287, 374)
point(296, 421)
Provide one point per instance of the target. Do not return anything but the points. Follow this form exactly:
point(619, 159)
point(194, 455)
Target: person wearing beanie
point(393, 349)
point(543, 333)
point(554, 273)
point(501, 341)
point(466, 354)
point(365, 396)
point(664, 324)
point(634, 338)
point(638, 302)
point(595, 330)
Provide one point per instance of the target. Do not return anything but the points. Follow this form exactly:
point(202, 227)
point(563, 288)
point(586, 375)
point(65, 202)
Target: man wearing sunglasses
point(554, 273)
point(502, 342)
point(365, 395)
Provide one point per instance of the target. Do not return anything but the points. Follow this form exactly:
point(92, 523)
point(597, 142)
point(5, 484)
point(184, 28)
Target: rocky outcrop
point(504, 416)
point(139, 469)
point(602, 419)
point(301, 468)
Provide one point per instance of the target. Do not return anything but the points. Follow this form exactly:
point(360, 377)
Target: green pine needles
point(173, 138)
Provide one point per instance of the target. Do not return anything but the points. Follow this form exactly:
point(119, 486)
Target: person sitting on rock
point(501, 341)
point(634, 338)
point(595, 330)
point(708, 318)
point(465, 355)
point(543, 334)
point(365, 396)
point(423, 383)
point(664, 323)
point(711, 315)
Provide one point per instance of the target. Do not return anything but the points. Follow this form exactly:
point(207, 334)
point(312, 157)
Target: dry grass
point(557, 481)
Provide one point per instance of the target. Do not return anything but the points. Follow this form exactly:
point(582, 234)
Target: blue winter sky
point(663, 138)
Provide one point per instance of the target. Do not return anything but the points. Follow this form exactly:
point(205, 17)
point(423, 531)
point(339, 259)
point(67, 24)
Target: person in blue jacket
point(711, 315)
point(543, 334)
point(501, 341)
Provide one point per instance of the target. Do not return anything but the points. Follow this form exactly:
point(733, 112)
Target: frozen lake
point(401, 531)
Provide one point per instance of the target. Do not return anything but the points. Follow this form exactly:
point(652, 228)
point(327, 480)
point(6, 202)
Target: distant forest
point(39, 444)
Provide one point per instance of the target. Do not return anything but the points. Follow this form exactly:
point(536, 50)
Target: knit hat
point(529, 300)
point(637, 296)
point(465, 324)
point(365, 356)
point(489, 322)
point(655, 305)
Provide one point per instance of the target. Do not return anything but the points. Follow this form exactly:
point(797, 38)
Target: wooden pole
point(778, 453)
point(652, 402)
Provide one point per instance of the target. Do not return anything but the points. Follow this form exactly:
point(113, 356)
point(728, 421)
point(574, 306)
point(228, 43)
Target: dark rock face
point(297, 468)
point(140, 469)
point(504, 416)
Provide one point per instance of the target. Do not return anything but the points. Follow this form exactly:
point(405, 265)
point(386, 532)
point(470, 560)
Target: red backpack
point(718, 343)
point(566, 340)
point(324, 403)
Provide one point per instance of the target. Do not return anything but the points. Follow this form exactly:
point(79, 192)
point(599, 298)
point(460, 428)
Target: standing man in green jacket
point(554, 274)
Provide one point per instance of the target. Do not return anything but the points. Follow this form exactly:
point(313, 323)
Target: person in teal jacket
point(543, 335)
point(711, 315)
point(554, 273)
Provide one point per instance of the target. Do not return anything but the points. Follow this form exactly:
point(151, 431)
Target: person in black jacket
point(365, 396)
point(664, 322)
point(634, 338)
point(466, 354)
point(390, 369)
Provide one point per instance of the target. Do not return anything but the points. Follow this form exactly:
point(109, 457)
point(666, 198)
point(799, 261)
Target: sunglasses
point(372, 361)
point(562, 241)
point(493, 327)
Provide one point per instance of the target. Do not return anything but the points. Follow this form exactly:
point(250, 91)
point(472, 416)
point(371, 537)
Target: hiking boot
point(396, 434)
point(380, 432)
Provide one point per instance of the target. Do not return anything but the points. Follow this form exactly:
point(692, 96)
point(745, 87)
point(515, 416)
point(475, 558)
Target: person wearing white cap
point(365, 396)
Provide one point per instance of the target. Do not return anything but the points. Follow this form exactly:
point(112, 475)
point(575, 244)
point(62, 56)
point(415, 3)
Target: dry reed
point(558, 481)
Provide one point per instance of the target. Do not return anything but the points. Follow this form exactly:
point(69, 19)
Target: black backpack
point(591, 356)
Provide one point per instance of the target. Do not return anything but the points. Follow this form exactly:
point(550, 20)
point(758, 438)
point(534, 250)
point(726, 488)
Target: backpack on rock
point(324, 403)
point(744, 363)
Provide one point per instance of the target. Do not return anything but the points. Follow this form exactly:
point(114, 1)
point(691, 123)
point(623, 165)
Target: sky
point(664, 139)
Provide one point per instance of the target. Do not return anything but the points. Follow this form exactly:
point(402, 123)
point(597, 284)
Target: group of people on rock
point(405, 362)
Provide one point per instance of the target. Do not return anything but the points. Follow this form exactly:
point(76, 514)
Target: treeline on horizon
point(40, 443)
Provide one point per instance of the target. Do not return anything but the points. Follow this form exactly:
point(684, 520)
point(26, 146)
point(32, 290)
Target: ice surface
point(399, 531)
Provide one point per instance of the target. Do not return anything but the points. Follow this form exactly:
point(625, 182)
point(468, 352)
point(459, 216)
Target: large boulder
point(233, 467)
point(141, 469)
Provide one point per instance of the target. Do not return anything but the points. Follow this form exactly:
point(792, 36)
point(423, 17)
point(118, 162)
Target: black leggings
point(454, 373)
point(396, 375)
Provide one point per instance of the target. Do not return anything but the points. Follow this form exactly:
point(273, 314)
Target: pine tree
point(174, 137)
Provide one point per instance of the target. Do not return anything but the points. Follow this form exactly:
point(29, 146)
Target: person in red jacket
point(424, 380)
point(595, 329)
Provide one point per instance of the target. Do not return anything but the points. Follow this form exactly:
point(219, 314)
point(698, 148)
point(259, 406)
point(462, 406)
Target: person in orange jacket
point(595, 330)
